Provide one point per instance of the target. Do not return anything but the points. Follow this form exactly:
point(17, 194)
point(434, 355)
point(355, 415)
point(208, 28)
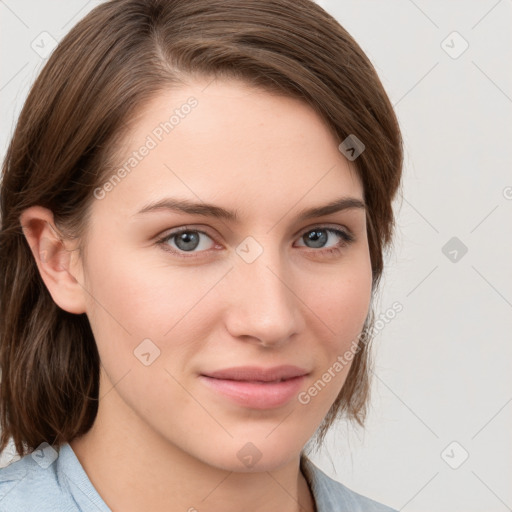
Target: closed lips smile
point(254, 387)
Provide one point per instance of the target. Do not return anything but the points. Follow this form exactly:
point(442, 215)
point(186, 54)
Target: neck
point(134, 468)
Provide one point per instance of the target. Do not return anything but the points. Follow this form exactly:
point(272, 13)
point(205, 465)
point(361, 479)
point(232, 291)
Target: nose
point(264, 308)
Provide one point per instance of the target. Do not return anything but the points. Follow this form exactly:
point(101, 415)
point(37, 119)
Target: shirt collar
point(328, 494)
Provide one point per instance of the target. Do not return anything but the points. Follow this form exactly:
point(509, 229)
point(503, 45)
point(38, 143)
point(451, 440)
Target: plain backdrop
point(438, 434)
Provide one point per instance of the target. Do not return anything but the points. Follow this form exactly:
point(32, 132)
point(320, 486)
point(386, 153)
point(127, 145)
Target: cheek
point(144, 296)
point(344, 300)
point(343, 306)
point(132, 300)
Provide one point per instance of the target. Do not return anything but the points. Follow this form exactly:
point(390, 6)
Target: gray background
point(442, 385)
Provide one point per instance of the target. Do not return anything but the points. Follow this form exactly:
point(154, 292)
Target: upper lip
point(255, 373)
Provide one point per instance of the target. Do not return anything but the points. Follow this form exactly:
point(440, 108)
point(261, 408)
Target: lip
point(256, 387)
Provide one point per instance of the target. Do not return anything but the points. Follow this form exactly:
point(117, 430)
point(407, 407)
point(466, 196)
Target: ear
point(56, 258)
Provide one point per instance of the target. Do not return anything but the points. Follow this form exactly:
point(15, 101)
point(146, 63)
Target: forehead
point(225, 141)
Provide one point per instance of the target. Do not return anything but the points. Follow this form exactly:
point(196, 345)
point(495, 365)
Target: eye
point(185, 240)
point(318, 237)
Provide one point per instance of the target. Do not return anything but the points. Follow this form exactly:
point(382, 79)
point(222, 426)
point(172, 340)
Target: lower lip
point(256, 395)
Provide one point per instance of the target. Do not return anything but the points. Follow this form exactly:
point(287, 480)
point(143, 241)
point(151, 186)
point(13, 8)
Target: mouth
point(254, 387)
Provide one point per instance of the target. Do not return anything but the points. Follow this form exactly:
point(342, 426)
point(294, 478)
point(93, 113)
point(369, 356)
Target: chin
point(254, 453)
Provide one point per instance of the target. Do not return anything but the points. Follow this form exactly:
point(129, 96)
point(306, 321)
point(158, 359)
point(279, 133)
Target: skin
point(158, 426)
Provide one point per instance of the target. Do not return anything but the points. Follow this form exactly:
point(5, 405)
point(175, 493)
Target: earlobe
point(55, 259)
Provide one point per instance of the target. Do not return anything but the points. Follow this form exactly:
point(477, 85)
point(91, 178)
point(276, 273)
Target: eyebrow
point(211, 210)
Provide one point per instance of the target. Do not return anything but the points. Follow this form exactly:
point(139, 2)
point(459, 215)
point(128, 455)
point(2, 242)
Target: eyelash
point(346, 239)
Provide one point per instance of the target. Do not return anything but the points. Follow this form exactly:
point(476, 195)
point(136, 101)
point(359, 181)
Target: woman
point(195, 204)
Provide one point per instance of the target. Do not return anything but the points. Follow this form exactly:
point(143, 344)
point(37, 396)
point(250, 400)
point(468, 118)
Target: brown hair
point(112, 62)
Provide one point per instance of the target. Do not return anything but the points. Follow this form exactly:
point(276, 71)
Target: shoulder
point(331, 495)
point(32, 484)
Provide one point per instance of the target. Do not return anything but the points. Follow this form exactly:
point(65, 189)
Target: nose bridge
point(264, 305)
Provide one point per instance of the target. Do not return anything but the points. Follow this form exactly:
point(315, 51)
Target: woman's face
point(225, 342)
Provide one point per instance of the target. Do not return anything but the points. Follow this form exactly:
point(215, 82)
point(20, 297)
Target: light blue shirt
point(55, 481)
